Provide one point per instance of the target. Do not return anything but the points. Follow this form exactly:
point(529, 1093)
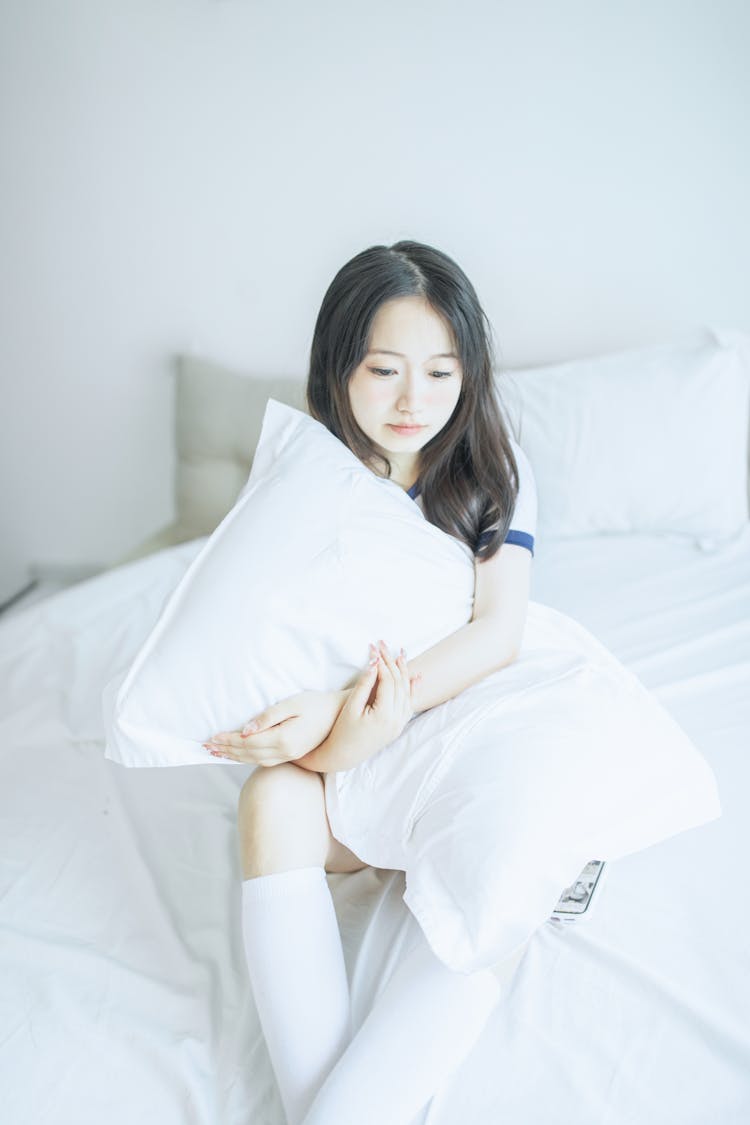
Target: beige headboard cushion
point(218, 417)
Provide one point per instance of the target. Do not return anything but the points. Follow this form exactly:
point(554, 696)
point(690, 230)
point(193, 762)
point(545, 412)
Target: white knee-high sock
point(298, 977)
point(421, 1027)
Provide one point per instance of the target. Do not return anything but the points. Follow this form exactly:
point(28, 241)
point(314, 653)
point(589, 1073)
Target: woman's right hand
point(377, 710)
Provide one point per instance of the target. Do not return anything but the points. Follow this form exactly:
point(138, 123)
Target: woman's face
point(411, 376)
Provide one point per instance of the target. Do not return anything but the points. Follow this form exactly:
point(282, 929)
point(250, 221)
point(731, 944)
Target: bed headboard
point(218, 417)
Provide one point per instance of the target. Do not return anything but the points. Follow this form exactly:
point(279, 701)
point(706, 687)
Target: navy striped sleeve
point(522, 529)
point(521, 538)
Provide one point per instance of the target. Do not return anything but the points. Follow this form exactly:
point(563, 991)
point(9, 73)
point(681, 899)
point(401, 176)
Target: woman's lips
point(405, 429)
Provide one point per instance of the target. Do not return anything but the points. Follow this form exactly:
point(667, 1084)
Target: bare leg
point(292, 942)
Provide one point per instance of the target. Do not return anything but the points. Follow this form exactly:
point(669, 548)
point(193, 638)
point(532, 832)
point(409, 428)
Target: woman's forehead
point(411, 328)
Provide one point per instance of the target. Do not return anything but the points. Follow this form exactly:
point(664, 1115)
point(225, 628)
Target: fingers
point(227, 742)
point(387, 678)
point(226, 739)
point(400, 681)
point(231, 745)
point(395, 665)
point(405, 683)
point(257, 725)
point(264, 755)
point(272, 715)
point(360, 693)
point(381, 675)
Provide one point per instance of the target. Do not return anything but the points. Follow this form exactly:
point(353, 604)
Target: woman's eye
point(389, 371)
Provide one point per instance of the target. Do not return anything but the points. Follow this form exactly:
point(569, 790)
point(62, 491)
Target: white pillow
point(317, 558)
point(651, 440)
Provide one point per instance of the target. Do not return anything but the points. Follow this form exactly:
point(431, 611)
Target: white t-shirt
point(523, 521)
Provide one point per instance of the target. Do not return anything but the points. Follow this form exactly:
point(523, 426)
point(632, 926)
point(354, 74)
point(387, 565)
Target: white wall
point(189, 176)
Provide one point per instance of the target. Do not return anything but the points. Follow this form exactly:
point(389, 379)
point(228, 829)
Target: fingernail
point(250, 728)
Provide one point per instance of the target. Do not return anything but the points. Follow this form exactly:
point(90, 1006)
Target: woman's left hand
point(287, 730)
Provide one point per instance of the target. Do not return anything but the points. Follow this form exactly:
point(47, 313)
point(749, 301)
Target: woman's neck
point(405, 475)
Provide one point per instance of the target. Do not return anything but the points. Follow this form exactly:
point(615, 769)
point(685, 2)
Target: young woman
point(401, 371)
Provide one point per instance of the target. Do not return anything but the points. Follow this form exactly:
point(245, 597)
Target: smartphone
point(575, 901)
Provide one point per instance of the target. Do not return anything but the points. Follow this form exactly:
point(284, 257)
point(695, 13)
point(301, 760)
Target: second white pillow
point(651, 440)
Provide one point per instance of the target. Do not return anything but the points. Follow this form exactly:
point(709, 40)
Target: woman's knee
point(271, 790)
point(282, 820)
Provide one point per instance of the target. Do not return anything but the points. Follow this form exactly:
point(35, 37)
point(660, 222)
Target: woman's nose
point(410, 397)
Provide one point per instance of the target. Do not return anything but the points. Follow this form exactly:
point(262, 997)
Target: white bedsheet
point(125, 995)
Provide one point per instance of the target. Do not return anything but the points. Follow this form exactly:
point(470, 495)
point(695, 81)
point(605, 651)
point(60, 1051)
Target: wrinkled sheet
point(125, 994)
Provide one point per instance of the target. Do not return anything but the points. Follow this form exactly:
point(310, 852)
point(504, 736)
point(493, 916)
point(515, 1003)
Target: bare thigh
point(283, 824)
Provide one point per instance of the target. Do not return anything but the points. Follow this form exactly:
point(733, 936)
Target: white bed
point(125, 994)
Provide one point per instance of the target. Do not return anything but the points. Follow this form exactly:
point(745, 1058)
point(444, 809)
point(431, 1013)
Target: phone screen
point(575, 900)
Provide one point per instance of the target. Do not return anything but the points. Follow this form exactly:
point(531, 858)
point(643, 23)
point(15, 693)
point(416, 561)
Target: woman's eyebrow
point(387, 351)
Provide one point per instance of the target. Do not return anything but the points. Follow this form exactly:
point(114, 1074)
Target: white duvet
point(494, 801)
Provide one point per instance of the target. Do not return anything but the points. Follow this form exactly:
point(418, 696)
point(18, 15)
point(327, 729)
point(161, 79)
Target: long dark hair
point(468, 474)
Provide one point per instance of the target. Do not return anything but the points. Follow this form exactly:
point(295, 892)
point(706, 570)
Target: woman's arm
point(490, 641)
point(458, 661)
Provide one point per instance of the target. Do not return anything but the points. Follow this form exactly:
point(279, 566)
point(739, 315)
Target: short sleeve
point(522, 529)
